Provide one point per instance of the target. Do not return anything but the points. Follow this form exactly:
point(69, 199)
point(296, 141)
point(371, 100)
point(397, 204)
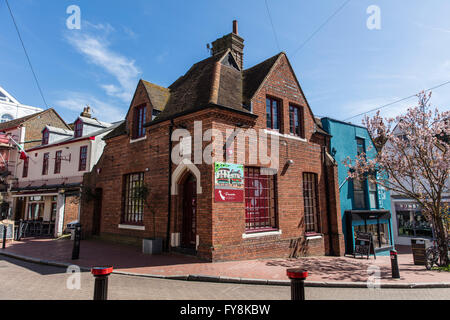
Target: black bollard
point(76, 242)
point(394, 265)
point(5, 230)
point(101, 275)
point(298, 277)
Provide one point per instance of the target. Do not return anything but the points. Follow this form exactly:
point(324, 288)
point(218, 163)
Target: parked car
point(71, 226)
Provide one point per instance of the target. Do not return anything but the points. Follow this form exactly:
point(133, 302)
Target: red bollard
point(101, 275)
point(298, 277)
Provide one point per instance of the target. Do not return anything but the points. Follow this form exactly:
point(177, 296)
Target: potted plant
point(149, 245)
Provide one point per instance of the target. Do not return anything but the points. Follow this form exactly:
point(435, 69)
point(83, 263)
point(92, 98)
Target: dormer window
point(139, 121)
point(155, 113)
point(45, 135)
point(78, 128)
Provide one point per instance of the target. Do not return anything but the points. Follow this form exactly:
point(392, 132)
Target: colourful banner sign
point(229, 182)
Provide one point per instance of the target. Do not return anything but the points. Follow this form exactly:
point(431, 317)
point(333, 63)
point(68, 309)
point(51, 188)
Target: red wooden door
point(188, 236)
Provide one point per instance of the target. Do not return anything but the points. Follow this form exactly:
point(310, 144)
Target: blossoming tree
point(413, 161)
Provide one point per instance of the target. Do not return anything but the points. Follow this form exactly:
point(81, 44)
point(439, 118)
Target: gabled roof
point(74, 139)
point(121, 129)
point(158, 95)
point(207, 82)
point(58, 131)
point(17, 122)
point(5, 96)
point(255, 76)
point(94, 122)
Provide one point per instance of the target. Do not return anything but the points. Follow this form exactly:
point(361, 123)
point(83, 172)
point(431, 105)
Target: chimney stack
point(233, 42)
point(235, 27)
point(86, 112)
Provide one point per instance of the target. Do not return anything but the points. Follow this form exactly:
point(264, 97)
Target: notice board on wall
point(228, 182)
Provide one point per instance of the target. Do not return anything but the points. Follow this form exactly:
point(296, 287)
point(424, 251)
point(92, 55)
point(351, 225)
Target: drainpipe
point(327, 195)
point(169, 191)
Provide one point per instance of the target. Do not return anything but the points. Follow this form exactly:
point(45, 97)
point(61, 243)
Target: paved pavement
point(22, 280)
point(322, 269)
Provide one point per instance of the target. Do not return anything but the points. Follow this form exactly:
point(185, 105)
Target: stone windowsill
point(131, 227)
point(261, 234)
point(138, 139)
point(288, 136)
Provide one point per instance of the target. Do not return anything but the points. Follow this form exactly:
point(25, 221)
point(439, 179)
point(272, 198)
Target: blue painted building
point(365, 206)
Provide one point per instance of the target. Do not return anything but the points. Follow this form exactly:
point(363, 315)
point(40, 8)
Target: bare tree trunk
point(441, 237)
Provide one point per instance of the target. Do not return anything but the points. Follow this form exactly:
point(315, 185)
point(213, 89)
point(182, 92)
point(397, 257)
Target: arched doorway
point(189, 220)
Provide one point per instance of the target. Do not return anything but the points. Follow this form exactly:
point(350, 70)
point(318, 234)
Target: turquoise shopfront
point(365, 206)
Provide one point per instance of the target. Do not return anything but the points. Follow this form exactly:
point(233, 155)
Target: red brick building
point(137, 192)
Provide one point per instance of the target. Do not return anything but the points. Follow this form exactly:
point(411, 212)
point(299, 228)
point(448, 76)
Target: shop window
point(359, 194)
point(58, 162)
point(311, 202)
point(35, 211)
point(45, 164)
point(273, 114)
point(139, 121)
point(78, 128)
point(53, 214)
point(260, 201)
point(83, 159)
point(25, 168)
point(296, 121)
point(413, 224)
point(380, 233)
point(133, 201)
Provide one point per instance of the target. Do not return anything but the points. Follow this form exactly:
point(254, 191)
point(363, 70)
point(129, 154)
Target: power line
point(273, 28)
point(397, 101)
point(321, 26)
point(26, 54)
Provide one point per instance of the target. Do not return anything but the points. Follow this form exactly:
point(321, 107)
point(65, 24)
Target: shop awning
point(368, 214)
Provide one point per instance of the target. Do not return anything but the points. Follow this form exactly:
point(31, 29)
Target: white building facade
point(49, 182)
point(11, 109)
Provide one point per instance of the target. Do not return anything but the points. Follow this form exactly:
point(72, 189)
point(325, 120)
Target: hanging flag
point(23, 154)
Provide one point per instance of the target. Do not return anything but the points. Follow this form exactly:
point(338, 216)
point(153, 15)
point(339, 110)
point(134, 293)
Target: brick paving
point(22, 280)
point(130, 259)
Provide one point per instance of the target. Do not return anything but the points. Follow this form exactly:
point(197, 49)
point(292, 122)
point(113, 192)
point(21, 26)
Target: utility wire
point(397, 101)
point(26, 54)
point(321, 26)
point(273, 28)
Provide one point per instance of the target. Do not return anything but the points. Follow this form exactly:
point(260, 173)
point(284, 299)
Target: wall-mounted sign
point(229, 182)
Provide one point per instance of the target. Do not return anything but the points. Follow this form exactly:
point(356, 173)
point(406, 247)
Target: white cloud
point(96, 49)
point(104, 111)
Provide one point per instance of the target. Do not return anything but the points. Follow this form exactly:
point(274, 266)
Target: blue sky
point(344, 69)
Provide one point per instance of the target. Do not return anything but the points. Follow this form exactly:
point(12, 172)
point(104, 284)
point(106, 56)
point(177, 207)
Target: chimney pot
point(235, 27)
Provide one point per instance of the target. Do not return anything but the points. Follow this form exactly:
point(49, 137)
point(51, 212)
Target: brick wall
point(35, 126)
point(71, 205)
point(220, 226)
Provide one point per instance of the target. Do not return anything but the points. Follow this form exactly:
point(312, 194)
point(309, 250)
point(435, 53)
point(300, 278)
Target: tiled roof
point(254, 77)
point(205, 83)
point(59, 130)
point(158, 95)
point(118, 131)
point(17, 122)
point(95, 122)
